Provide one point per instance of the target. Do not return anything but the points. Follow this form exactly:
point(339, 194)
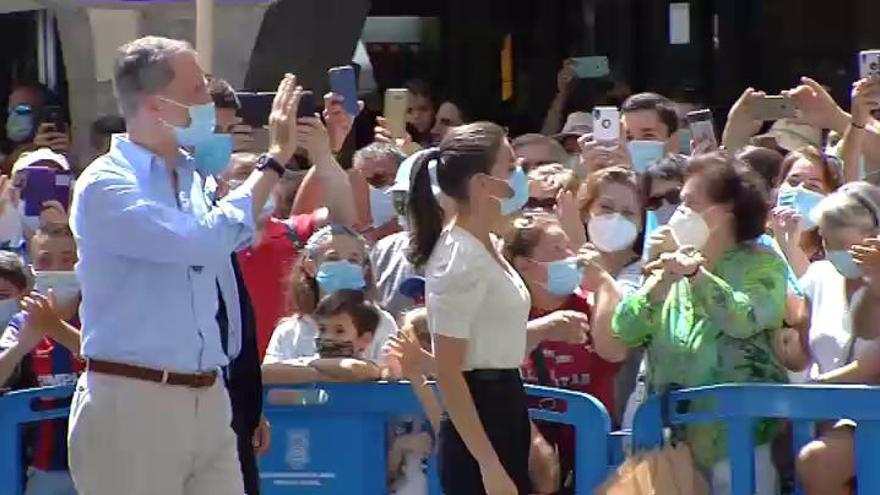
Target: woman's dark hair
point(670, 167)
point(765, 161)
point(727, 180)
point(353, 303)
point(466, 151)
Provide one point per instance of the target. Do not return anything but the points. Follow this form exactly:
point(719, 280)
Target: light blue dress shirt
point(151, 258)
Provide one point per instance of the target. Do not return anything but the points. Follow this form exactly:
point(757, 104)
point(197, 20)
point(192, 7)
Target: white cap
point(792, 136)
point(403, 178)
point(40, 155)
point(576, 124)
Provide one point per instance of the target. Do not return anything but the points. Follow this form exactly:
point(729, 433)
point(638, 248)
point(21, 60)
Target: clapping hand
point(787, 226)
point(565, 326)
point(867, 256)
point(283, 122)
point(589, 260)
point(405, 351)
point(661, 241)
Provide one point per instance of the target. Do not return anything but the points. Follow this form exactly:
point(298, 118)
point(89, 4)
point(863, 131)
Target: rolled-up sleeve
point(454, 289)
point(111, 213)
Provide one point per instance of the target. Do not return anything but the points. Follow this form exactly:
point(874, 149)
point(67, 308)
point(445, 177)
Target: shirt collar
point(140, 158)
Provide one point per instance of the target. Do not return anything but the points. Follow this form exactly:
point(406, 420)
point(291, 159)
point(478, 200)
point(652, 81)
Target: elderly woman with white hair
point(846, 218)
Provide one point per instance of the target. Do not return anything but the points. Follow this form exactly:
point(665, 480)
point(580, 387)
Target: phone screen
point(344, 83)
point(396, 103)
point(255, 108)
point(591, 67)
point(306, 106)
point(53, 116)
point(41, 184)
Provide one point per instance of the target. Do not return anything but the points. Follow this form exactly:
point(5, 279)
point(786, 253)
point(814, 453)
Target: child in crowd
point(40, 347)
point(410, 351)
point(334, 259)
point(347, 324)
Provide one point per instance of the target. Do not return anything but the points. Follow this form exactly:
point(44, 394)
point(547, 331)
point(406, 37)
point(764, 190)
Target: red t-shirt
point(573, 366)
point(266, 266)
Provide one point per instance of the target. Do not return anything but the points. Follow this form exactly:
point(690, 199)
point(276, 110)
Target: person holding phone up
point(151, 413)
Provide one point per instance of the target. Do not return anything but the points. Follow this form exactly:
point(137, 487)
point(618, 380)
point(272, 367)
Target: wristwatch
point(267, 162)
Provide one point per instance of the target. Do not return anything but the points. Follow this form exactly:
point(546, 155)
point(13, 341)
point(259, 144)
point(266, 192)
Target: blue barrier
point(330, 438)
point(17, 408)
point(738, 406)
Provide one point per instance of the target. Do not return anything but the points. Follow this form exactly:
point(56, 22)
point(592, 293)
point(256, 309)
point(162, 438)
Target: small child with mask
point(40, 347)
point(347, 323)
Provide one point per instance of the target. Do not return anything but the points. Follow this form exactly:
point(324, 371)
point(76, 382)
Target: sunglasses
point(673, 196)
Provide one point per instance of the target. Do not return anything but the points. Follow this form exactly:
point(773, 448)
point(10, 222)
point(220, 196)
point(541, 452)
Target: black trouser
point(500, 400)
point(248, 459)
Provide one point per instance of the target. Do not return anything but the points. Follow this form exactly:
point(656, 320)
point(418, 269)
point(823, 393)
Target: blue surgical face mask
point(20, 124)
point(844, 263)
point(684, 146)
point(8, 308)
point(202, 121)
point(212, 155)
point(563, 276)
point(802, 200)
point(334, 276)
point(643, 153)
point(519, 182)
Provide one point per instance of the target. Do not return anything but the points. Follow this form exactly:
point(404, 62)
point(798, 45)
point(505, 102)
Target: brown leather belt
point(197, 380)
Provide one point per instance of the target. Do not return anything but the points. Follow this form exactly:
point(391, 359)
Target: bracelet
point(857, 126)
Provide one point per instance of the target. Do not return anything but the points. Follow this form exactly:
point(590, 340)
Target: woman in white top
point(478, 308)
point(846, 218)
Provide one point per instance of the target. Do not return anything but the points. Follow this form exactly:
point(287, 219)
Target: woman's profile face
point(694, 196)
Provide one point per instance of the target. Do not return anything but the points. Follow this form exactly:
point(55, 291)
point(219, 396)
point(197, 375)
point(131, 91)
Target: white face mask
point(64, 285)
point(381, 206)
point(612, 232)
point(689, 228)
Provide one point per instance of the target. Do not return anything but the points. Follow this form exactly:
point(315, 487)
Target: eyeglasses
point(673, 196)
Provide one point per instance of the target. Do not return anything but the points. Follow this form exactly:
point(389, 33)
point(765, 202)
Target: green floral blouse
point(717, 329)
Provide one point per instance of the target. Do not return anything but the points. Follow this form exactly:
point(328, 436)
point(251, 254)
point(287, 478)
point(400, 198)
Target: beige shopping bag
point(666, 471)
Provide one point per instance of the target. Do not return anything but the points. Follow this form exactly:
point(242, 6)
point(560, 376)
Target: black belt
point(492, 375)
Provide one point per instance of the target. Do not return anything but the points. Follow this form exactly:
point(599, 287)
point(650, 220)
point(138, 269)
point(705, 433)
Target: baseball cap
point(404, 172)
point(40, 155)
point(413, 288)
point(576, 124)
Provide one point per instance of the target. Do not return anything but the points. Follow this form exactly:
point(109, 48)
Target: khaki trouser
point(135, 437)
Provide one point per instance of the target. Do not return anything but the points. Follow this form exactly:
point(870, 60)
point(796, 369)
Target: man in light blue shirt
point(151, 414)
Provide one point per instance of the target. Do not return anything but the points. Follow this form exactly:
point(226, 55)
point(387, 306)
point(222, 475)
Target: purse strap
point(541, 366)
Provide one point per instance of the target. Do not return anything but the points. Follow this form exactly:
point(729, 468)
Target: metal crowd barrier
point(738, 406)
point(16, 409)
point(331, 438)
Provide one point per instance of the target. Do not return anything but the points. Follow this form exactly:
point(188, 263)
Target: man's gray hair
point(380, 151)
point(143, 67)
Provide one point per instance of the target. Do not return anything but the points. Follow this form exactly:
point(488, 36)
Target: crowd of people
point(192, 267)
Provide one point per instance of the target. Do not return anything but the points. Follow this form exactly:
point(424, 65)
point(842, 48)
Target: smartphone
point(591, 67)
point(396, 103)
point(702, 128)
point(774, 107)
point(255, 108)
point(343, 81)
point(41, 184)
point(869, 63)
point(53, 115)
point(606, 125)
point(306, 106)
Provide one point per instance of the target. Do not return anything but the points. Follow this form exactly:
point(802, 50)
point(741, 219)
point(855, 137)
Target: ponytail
point(424, 212)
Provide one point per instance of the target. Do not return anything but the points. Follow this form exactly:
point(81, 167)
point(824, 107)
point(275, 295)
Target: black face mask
point(327, 348)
